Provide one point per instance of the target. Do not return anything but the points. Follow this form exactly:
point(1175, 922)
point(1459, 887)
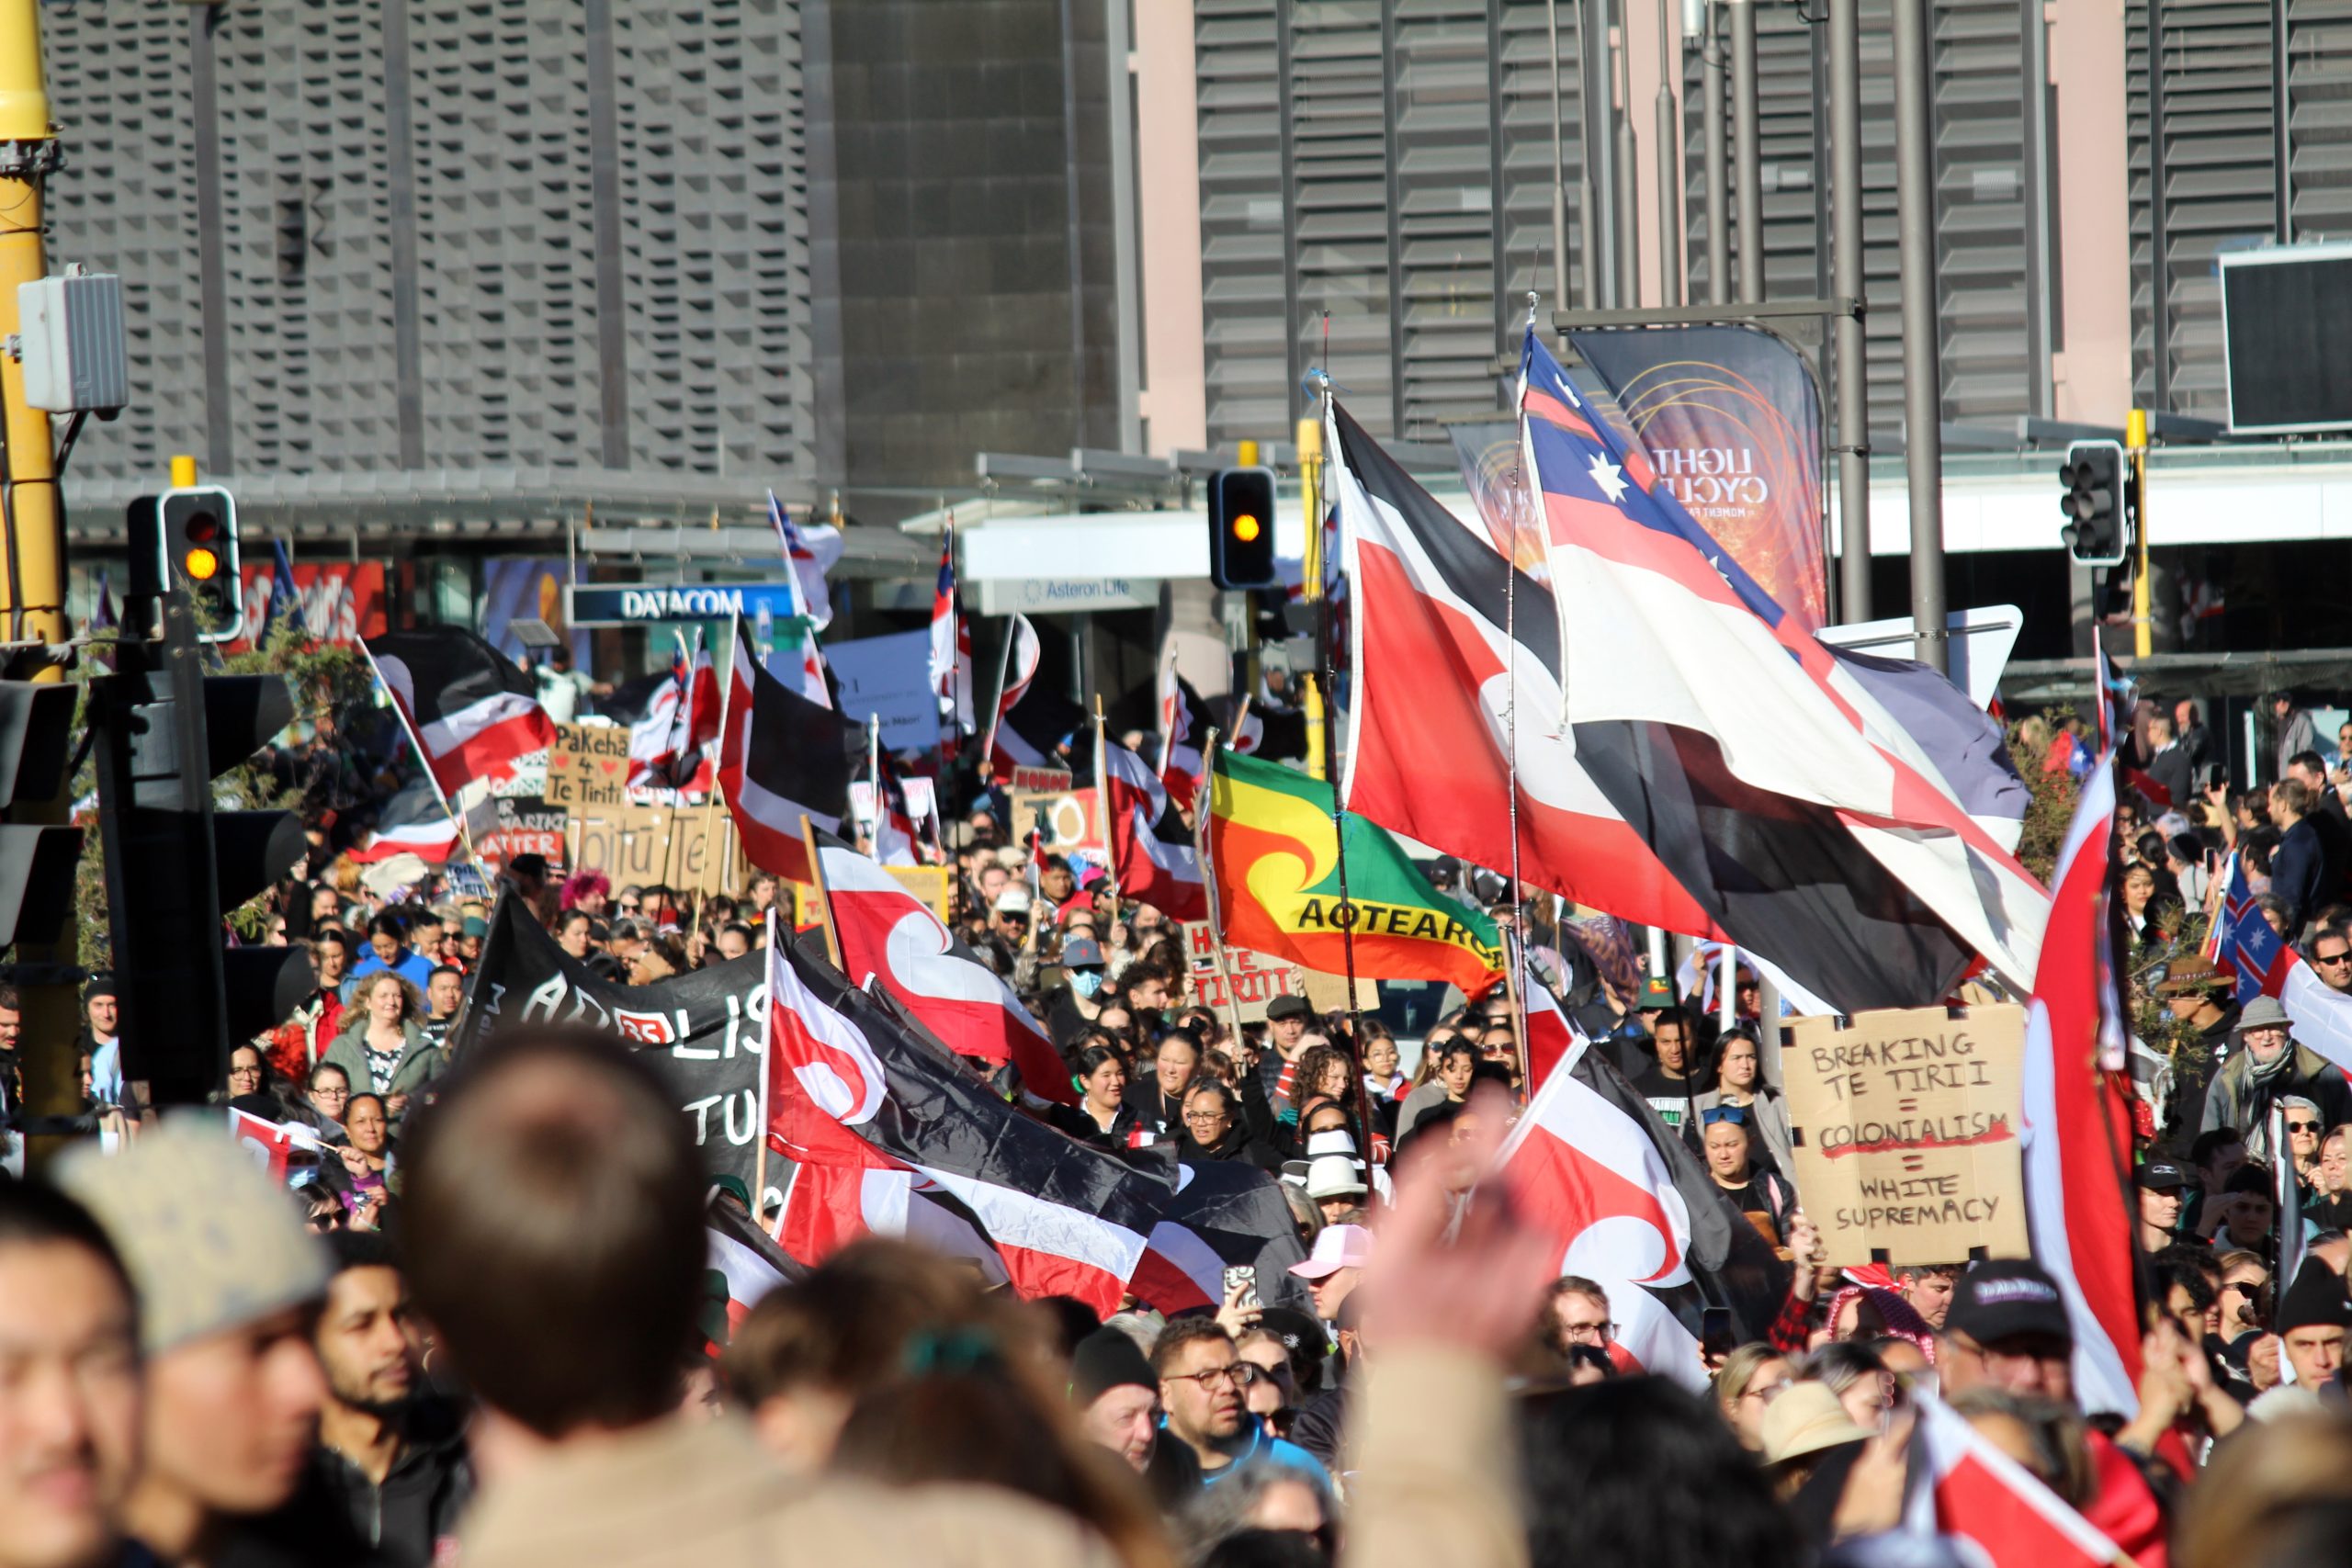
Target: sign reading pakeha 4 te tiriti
point(1906, 1131)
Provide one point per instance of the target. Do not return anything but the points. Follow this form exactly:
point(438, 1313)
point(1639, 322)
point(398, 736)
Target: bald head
point(556, 1199)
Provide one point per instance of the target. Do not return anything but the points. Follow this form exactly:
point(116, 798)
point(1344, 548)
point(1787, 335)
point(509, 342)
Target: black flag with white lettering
point(704, 1029)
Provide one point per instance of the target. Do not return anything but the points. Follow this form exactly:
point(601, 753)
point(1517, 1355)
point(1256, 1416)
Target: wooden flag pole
point(1204, 809)
point(824, 900)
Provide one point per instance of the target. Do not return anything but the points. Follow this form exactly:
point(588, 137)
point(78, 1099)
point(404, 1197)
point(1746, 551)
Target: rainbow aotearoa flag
point(1275, 861)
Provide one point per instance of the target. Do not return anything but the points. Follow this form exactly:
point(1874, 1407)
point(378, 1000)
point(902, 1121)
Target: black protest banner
point(705, 1030)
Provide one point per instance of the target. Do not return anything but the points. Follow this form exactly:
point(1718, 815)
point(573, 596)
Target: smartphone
point(1245, 1275)
point(1715, 1336)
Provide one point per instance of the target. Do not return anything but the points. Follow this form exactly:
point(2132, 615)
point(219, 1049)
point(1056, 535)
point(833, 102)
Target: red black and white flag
point(2078, 1127)
point(412, 822)
point(671, 747)
point(783, 758)
point(1965, 1486)
point(1184, 726)
point(1030, 722)
point(1551, 1034)
point(1733, 741)
point(747, 1259)
point(1152, 856)
point(887, 933)
point(855, 1091)
point(469, 709)
point(1629, 1205)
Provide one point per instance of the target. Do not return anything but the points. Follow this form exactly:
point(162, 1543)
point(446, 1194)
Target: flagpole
point(1331, 760)
point(1201, 847)
point(408, 728)
point(1514, 956)
point(684, 709)
point(996, 706)
point(1103, 808)
point(948, 734)
point(824, 900)
point(1510, 703)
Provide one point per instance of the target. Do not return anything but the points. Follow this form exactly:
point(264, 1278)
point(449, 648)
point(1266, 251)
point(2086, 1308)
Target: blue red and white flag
point(2077, 1134)
point(2243, 943)
point(1702, 710)
point(810, 551)
point(672, 746)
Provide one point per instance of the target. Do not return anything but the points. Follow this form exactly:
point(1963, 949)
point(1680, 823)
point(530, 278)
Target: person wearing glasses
point(1204, 1389)
point(2331, 1205)
point(1215, 1127)
point(2266, 1066)
point(2330, 951)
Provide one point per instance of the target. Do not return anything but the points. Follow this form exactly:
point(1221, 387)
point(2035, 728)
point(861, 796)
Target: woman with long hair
point(383, 1046)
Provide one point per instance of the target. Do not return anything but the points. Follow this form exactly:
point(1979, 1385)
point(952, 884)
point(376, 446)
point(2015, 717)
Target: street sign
point(651, 603)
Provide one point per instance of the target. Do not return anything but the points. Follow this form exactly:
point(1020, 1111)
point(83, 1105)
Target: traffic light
point(2097, 503)
point(175, 867)
point(36, 862)
point(186, 539)
point(1241, 528)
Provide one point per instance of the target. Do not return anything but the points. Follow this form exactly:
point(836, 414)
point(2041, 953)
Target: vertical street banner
point(1731, 419)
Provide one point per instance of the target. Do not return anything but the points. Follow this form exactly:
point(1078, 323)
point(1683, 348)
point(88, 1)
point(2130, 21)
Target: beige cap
point(210, 1241)
point(1804, 1419)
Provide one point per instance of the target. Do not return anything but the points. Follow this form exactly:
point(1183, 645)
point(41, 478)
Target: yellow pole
point(2136, 440)
point(33, 586)
point(1310, 473)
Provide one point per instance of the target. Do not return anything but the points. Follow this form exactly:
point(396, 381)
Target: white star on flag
point(1608, 477)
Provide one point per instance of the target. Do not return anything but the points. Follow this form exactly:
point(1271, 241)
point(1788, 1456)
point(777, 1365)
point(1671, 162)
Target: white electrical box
point(71, 343)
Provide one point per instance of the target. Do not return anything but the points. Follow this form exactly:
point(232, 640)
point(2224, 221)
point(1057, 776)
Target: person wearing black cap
point(2160, 1183)
point(2313, 1316)
point(1287, 1021)
point(1116, 1395)
point(2008, 1329)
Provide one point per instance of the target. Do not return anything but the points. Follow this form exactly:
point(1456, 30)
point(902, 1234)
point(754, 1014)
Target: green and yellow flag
point(1274, 860)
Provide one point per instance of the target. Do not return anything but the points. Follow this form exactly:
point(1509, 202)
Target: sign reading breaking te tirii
point(1906, 1131)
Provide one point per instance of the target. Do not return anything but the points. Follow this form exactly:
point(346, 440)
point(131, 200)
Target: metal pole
point(1667, 128)
point(1623, 187)
point(1847, 345)
point(1747, 157)
point(2282, 128)
point(1559, 169)
point(34, 583)
point(2159, 220)
point(1922, 356)
point(1588, 249)
point(1711, 81)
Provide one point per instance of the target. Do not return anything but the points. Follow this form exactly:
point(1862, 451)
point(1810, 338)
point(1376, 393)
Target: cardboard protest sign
point(1072, 817)
point(653, 843)
point(704, 1031)
point(588, 766)
point(1257, 978)
point(526, 825)
point(1906, 1122)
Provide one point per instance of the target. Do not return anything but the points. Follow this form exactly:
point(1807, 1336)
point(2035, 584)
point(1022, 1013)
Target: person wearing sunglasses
point(2330, 951)
point(1204, 1389)
point(2304, 1130)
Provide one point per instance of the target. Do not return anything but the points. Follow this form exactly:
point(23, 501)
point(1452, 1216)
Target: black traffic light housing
point(185, 540)
point(1241, 528)
point(175, 867)
point(36, 862)
point(2098, 503)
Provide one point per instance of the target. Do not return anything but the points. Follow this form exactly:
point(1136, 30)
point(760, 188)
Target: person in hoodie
point(1215, 1127)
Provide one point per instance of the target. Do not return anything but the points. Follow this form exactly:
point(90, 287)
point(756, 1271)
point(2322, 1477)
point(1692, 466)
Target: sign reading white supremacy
point(705, 1031)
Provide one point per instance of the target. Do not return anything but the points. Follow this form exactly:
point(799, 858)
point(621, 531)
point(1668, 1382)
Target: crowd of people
point(481, 1325)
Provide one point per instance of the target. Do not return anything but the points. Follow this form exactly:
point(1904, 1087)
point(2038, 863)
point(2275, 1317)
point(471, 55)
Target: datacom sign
point(648, 603)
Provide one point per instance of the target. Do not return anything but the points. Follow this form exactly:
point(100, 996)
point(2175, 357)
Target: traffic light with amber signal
point(1241, 528)
point(175, 867)
point(2097, 503)
point(187, 538)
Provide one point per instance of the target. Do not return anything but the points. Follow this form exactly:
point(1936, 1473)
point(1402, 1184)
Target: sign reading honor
point(1906, 1131)
point(707, 1028)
